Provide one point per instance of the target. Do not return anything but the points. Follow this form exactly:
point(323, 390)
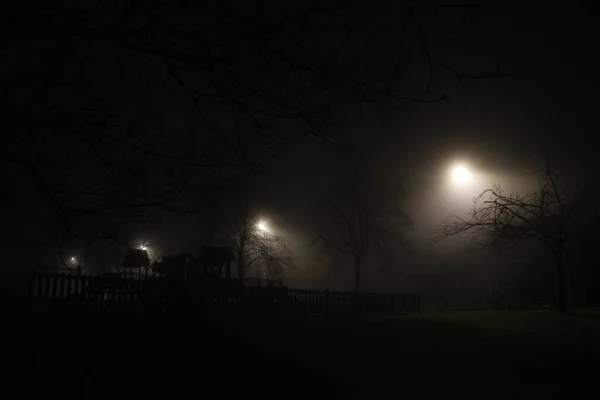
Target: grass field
point(507, 348)
point(490, 354)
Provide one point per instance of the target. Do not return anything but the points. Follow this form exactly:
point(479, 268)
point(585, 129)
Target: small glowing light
point(142, 247)
point(461, 174)
point(73, 259)
point(262, 226)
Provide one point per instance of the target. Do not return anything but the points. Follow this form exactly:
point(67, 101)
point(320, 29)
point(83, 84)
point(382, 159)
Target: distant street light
point(263, 226)
point(73, 261)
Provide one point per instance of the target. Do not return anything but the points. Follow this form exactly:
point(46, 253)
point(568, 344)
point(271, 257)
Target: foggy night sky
point(502, 120)
point(553, 95)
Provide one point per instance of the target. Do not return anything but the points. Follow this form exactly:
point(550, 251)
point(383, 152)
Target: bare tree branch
point(141, 107)
point(360, 216)
point(546, 215)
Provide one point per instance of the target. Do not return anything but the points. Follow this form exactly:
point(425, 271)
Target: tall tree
point(555, 215)
point(361, 219)
point(119, 109)
point(257, 245)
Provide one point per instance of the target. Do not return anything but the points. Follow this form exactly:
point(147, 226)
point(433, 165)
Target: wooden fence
point(101, 292)
point(117, 292)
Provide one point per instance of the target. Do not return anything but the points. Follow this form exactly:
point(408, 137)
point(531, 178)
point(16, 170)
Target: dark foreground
point(490, 354)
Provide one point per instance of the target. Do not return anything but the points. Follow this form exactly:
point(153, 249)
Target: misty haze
point(239, 199)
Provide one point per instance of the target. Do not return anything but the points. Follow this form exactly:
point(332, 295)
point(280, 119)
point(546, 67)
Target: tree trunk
point(240, 256)
point(357, 275)
point(241, 265)
point(358, 299)
point(564, 286)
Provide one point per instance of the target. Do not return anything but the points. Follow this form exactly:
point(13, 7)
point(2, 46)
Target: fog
point(497, 127)
point(292, 191)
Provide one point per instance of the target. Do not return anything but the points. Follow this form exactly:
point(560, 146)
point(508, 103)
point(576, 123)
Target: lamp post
point(263, 241)
point(460, 183)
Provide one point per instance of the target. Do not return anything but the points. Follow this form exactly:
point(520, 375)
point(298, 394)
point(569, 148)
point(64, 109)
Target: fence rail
point(100, 292)
point(118, 292)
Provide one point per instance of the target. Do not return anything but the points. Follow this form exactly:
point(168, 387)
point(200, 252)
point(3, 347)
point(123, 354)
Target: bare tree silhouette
point(555, 214)
point(119, 108)
point(257, 245)
point(362, 218)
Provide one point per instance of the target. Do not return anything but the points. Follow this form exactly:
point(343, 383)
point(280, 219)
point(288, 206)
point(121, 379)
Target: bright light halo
point(262, 226)
point(461, 174)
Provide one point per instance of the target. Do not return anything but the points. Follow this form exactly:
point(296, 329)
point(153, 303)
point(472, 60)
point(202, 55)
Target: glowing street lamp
point(263, 226)
point(461, 174)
